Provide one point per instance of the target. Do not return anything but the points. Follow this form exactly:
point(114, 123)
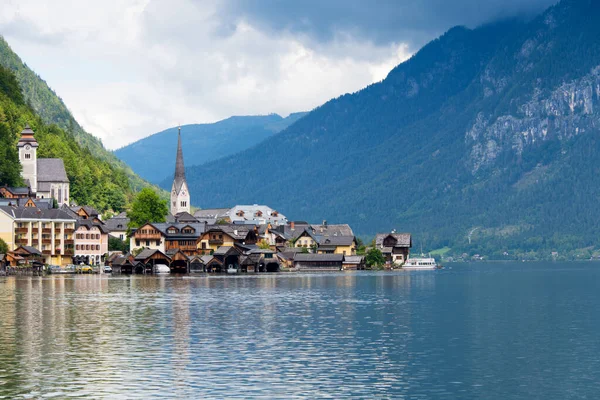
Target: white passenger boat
point(160, 269)
point(420, 264)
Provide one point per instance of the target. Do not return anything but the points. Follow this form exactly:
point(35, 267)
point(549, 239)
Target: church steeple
point(180, 198)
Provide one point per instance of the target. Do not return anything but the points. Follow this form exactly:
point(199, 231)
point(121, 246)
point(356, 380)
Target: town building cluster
point(244, 238)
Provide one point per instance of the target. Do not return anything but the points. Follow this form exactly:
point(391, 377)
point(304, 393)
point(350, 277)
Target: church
point(180, 195)
point(45, 177)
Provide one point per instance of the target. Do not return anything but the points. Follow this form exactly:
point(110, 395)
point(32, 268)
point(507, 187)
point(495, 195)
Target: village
point(42, 227)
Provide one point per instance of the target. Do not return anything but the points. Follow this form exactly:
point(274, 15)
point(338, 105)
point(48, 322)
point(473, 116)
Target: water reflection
point(459, 333)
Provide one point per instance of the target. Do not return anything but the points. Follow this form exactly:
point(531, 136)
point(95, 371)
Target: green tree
point(3, 247)
point(375, 259)
point(147, 207)
point(115, 244)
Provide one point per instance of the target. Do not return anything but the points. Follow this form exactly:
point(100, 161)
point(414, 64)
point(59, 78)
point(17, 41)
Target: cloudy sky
point(130, 68)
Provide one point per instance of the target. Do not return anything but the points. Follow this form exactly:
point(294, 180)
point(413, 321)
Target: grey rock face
point(565, 112)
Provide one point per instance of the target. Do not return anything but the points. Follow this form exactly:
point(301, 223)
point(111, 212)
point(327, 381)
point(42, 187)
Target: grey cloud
point(382, 21)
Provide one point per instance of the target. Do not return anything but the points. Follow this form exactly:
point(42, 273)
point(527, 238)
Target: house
point(167, 236)
point(49, 230)
point(226, 235)
point(27, 202)
point(345, 245)
point(46, 177)
point(86, 212)
point(395, 247)
point(8, 192)
point(91, 242)
point(117, 226)
point(318, 262)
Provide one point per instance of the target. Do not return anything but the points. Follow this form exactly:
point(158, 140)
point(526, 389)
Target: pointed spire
point(179, 167)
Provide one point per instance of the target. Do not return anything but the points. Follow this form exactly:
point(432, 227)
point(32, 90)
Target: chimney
point(293, 225)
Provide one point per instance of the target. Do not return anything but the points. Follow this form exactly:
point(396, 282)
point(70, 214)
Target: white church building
point(46, 177)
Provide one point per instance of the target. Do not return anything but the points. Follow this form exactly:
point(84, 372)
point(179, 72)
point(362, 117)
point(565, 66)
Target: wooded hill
point(97, 177)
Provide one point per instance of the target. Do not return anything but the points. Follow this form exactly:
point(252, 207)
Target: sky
point(130, 68)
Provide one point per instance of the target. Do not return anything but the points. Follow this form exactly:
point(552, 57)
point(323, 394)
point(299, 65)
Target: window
point(87, 235)
point(148, 242)
point(77, 247)
point(97, 247)
point(27, 156)
point(184, 204)
point(137, 243)
point(121, 237)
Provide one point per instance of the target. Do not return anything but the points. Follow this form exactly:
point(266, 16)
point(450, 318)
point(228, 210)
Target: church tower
point(180, 196)
point(28, 157)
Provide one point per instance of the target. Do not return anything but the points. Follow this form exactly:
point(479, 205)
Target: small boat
point(231, 269)
point(420, 264)
point(162, 269)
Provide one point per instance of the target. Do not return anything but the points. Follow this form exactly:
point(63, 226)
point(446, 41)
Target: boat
point(231, 269)
point(420, 264)
point(162, 269)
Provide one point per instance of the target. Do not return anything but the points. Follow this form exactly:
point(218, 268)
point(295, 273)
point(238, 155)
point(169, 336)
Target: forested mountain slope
point(201, 143)
point(493, 131)
point(52, 110)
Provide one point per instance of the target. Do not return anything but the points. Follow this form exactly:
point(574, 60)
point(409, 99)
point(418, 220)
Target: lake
point(471, 331)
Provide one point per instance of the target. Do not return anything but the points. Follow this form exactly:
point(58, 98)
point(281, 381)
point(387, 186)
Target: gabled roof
point(30, 250)
point(402, 239)
point(237, 232)
point(88, 224)
point(118, 223)
point(211, 213)
point(337, 241)
point(36, 213)
point(147, 253)
point(184, 217)
point(51, 170)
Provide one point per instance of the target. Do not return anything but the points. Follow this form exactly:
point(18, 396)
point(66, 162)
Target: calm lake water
point(478, 331)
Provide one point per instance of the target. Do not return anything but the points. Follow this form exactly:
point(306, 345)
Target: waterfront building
point(46, 177)
point(395, 247)
point(167, 236)
point(48, 230)
point(180, 195)
point(91, 242)
point(226, 235)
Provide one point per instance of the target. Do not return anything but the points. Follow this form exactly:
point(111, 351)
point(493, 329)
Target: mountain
point(52, 110)
point(485, 141)
point(201, 142)
point(97, 177)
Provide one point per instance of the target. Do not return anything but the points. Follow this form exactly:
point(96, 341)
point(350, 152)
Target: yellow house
point(48, 230)
point(345, 245)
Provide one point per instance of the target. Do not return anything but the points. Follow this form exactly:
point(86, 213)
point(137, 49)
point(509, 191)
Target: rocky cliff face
point(571, 109)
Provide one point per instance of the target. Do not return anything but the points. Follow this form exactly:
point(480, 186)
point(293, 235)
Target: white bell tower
point(28, 157)
point(180, 195)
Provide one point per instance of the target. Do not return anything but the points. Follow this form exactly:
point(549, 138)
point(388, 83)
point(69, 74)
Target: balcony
point(57, 231)
point(46, 241)
point(21, 242)
point(69, 231)
point(218, 242)
point(21, 230)
point(46, 230)
point(69, 241)
point(47, 252)
point(57, 251)
point(68, 252)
